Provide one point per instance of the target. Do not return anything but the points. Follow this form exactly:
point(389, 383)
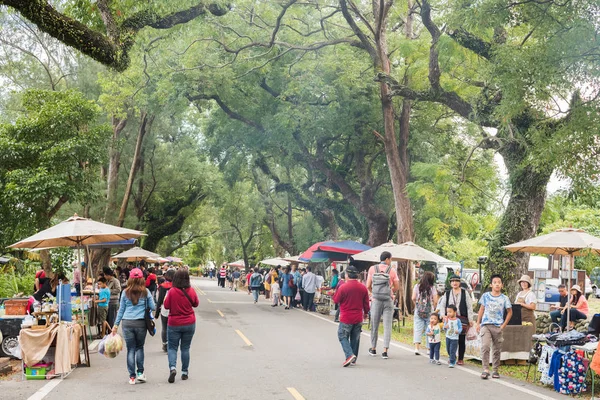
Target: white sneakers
point(141, 377)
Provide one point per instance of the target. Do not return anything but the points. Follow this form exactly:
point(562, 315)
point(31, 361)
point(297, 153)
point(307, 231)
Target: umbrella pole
point(571, 266)
point(81, 292)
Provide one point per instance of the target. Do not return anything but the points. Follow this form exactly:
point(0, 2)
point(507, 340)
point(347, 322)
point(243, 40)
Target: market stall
point(64, 317)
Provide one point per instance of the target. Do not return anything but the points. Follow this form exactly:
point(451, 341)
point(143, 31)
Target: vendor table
point(516, 346)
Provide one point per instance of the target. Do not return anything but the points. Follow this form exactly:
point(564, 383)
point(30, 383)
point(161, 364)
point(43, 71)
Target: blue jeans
point(452, 347)
point(420, 324)
point(349, 337)
point(255, 293)
point(134, 340)
point(555, 315)
point(434, 351)
point(177, 335)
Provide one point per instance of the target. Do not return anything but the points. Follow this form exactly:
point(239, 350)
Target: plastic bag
point(113, 345)
point(298, 298)
point(471, 333)
point(102, 344)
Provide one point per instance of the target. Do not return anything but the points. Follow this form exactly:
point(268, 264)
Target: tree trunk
point(521, 219)
point(114, 163)
point(139, 197)
point(145, 124)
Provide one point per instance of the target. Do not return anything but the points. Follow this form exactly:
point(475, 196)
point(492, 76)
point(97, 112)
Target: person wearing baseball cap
point(526, 298)
point(353, 300)
point(579, 308)
point(132, 311)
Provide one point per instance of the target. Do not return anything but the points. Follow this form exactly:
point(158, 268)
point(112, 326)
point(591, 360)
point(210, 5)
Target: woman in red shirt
point(180, 302)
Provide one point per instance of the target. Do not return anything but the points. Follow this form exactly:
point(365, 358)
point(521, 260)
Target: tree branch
point(472, 42)
point(112, 52)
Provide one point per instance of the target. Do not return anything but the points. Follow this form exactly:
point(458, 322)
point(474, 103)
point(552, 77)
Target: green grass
point(405, 335)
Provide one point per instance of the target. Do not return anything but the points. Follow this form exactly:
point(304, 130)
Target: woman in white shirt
point(526, 298)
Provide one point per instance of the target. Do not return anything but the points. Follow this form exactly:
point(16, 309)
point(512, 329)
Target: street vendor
point(526, 298)
point(48, 287)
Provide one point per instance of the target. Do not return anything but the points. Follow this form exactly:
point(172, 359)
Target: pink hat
point(136, 273)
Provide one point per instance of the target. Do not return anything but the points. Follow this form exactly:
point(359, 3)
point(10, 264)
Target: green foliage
point(49, 157)
point(17, 278)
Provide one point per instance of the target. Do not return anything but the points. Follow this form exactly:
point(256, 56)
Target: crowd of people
point(125, 296)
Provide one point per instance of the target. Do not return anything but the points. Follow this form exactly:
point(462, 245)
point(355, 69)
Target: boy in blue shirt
point(102, 303)
point(490, 323)
point(453, 327)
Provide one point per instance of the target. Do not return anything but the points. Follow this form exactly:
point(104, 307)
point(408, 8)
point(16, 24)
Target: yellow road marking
point(244, 338)
point(295, 393)
point(209, 300)
point(201, 292)
point(220, 313)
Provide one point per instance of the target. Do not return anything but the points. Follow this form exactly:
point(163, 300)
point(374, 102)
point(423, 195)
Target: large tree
point(107, 29)
point(507, 67)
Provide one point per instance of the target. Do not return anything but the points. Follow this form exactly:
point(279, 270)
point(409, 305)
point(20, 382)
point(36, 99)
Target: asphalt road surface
point(243, 350)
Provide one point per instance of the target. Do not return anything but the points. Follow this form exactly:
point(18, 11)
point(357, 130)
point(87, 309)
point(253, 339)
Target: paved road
point(291, 355)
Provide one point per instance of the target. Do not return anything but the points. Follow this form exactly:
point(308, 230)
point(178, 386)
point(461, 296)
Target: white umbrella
point(136, 254)
point(77, 231)
point(567, 242)
point(405, 251)
point(275, 262)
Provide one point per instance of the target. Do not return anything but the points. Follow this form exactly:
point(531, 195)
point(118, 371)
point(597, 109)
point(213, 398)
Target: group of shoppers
point(176, 303)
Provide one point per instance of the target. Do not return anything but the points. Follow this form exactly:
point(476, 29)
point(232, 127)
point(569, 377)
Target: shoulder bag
point(150, 326)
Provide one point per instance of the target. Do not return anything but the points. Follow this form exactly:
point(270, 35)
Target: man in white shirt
point(309, 283)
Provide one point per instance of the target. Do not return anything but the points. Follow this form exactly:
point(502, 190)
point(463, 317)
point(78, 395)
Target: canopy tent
point(331, 251)
point(567, 242)
point(120, 244)
point(238, 263)
point(136, 254)
point(293, 260)
point(275, 262)
point(175, 260)
point(400, 252)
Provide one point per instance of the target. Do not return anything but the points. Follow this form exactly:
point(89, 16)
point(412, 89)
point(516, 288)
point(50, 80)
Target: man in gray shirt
point(114, 285)
point(309, 284)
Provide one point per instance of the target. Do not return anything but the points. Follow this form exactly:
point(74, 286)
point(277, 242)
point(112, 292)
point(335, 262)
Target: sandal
point(496, 375)
point(485, 375)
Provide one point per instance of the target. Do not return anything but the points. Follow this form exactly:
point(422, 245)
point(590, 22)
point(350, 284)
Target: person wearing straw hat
point(526, 298)
point(579, 307)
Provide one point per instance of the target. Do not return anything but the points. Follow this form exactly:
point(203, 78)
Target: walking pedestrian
point(459, 297)
point(491, 323)
point(425, 299)
point(132, 309)
point(353, 299)
point(180, 301)
point(341, 281)
point(114, 285)
point(382, 282)
point(255, 283)
point(297, 284)
point(248, 276)
point(151, 282)
point(434, 338)
point(267, 284)
point(452, 327)
point(163, 289)
point(287, 285)
point(236, 279)
point(275, 293)
point(222, 276)
point(309, 284)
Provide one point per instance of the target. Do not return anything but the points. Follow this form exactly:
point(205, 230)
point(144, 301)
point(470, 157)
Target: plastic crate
point(37, 371)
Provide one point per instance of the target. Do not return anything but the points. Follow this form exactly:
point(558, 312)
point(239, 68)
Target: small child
point(102, 302)
point(490, 323)
point(434, 338)
point(275, 293)
point(453, 327)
